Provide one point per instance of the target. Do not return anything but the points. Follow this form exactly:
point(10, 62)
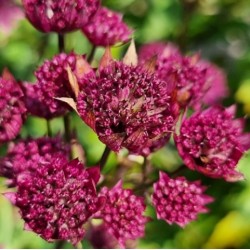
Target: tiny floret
point(178, 200)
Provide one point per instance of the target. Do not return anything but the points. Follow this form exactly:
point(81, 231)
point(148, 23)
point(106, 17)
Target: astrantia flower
point(159, 49)
point(187, 74)
point(34, 104)
point(178, 200)
point(123, 213)
point(188, 77)
point(128, 107)
point(10, 14)
point(106, 28)
point(212, 142)
point(56, 198)
point(100, 238)
point(216, 82)
point(28, 154)
point(59, 16)
point(12, 108)
point(53, 81)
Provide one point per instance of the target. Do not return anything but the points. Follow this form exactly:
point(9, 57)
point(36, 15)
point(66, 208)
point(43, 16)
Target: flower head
point(56, 198)
point(12, 108)
point(34, 104)
point(106, 28)
point(128, 106)
point(100, 238)
point(59, 16)
point(178, 200)
point(188, 77)
point(27, 154)
point(123, 214)
point(212, 142)
point(53, 81)
point(10, 14)
point(159, 49)
point(187, 74)
point(217, 82)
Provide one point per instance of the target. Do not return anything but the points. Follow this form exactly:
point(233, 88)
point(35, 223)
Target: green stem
point(144, 169)
point(66, 121)
point(91, 55)
point(79, 245)
point(61, 43)
point(49, 132)
point(177, 171)
point(104, 157)
point(60, 244)
point(188, 8)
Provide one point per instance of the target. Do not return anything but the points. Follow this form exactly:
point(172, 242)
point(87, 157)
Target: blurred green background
point(220, 31)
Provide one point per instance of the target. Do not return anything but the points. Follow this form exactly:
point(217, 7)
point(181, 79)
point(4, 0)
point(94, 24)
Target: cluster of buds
point(59, 16)
point(12, 107)
point(137, 103)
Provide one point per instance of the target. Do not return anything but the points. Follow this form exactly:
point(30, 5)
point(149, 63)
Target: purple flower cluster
point(35, 106)
point(128, 107)
point(25, 155)
point(123, 213)
point(212, 142)
point(158, 49)
point(56, 198)
point(106, 28)
point(196, 81)
point(217, 82)
point(10, 15)
point(186, 75)
point(135, 104)
point(100, 238)
point(59, 16)
point(12, 108)
point(178, 200)
point(53, 81)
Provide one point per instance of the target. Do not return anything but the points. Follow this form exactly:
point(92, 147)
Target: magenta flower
point(106, 28)
point(100, 238)
point(187, 75)
point(128, 107)
point(178, 200)
point(59, 16)
point(12, 108)
point(28, 154)
point(212, 142)
point(159, 49)
point(56, 198)
point(10, 14)
point(34, 104)
point(123, 214)
point(53, 81)
point(217, 82)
